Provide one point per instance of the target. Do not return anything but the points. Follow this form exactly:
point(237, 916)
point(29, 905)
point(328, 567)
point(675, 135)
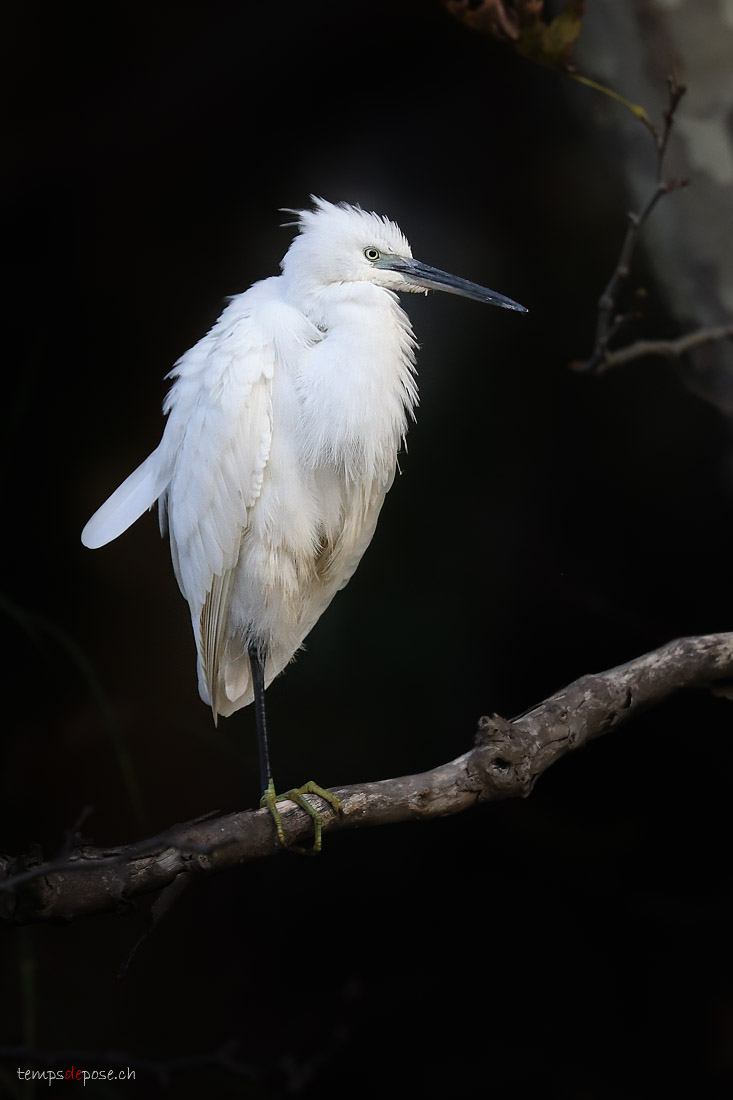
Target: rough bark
point(505, 762)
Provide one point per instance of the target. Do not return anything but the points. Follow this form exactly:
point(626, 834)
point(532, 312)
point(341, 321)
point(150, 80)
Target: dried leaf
point(549, 44)
point(520, 21)
point(499, 18)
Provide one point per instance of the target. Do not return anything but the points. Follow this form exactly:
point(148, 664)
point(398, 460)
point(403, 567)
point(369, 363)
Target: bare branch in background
point(550, 43)
point(609, 323)
point(666, 349)
point(506, 761)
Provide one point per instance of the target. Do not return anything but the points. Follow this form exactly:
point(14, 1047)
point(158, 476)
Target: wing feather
point(223, 403)
point(220, 417)
point(213, 616)
point(135, 495)
point(207, 474)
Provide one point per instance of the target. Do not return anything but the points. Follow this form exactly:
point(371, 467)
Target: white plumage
point(283, 428)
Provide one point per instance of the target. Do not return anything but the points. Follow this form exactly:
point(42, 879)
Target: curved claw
point(297, 795)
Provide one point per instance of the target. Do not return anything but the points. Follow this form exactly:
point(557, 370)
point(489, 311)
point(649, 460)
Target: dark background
point(545, 525)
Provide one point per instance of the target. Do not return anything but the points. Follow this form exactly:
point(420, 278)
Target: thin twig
point(676, 92)
point(637, 111)
point(506, 761)
point(606, 324)
point(668, 349)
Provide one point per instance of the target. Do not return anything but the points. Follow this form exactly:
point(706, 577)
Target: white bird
point(284, 424)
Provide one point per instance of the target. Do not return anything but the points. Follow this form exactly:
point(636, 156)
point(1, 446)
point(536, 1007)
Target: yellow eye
point(372, 254)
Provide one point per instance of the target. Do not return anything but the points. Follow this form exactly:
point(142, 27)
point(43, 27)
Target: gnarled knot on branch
point(503, 759)
point(505, 762)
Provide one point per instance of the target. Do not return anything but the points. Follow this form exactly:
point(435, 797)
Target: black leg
point(257, 664)
point(269, 798)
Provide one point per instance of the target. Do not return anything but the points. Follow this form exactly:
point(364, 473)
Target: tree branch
point(507, 759)
point(607, 324)
point(668, 349)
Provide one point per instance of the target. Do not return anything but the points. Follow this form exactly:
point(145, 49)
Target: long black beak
point(432, 278)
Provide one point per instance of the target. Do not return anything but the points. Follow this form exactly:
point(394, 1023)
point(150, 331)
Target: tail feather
point(233, 686)
point(135, 495)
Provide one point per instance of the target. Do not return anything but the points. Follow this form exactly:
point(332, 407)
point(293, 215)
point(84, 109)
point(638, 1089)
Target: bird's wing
point(219, 432)
point(135, 495)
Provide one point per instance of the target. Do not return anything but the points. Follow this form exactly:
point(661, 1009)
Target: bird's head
point(345, 244)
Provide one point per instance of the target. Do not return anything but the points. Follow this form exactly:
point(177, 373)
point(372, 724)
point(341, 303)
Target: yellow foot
point(297, 795)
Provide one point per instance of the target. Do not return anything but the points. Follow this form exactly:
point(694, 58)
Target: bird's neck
point(358, 387)
point(325, 303)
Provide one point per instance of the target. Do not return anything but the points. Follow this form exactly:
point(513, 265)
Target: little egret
point(281, 442)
